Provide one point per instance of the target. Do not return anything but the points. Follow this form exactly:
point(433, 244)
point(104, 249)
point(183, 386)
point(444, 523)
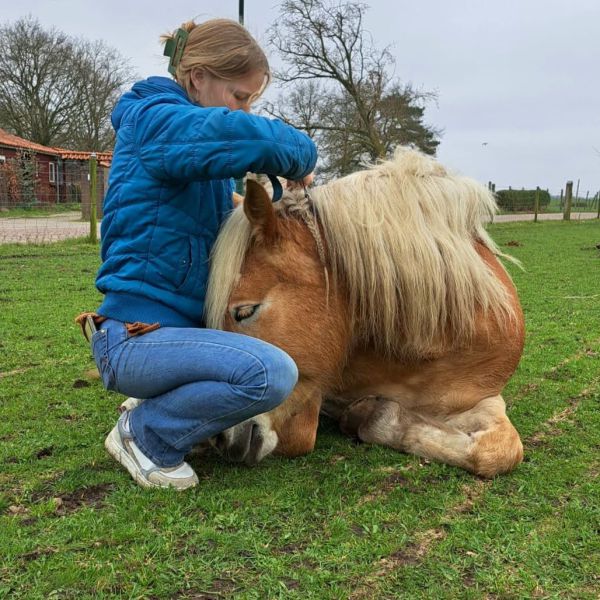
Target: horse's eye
point(240, 313)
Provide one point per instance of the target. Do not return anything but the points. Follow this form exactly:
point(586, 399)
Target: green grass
point(41, 210)
point(347, 521)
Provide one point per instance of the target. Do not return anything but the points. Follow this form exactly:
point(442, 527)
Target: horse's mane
point(400, 237)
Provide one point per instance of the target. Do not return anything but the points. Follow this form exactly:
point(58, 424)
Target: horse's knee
point(496, 451)
point(358, 414)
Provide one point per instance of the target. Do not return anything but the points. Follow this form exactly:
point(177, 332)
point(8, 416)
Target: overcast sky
point(518, 80)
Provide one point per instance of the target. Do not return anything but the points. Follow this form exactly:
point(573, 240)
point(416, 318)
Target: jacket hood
point(143, 89)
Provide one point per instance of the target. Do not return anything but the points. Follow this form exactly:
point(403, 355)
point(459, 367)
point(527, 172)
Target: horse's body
point(404, 325)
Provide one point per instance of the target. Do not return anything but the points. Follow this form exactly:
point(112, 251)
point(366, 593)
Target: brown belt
point(89, 322)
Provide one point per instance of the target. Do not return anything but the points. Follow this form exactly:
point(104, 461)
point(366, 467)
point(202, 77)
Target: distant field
point(347, 521)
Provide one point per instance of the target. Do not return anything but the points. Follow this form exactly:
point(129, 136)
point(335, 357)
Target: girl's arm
point(189, 143)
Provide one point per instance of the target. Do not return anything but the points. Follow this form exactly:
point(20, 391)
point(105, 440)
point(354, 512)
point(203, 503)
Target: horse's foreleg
point(481, 440)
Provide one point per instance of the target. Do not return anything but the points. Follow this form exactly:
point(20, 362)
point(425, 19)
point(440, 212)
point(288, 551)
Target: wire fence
point(45, 201)
point(517, 200)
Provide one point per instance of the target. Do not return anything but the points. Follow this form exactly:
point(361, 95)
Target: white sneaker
point(129, 404)
point(121, 447)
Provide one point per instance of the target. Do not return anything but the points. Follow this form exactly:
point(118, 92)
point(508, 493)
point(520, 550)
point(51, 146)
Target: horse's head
point(280, 294)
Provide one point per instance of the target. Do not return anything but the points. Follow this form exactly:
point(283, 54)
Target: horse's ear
point(260, 212)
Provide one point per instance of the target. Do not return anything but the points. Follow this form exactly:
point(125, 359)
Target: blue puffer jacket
point(170, 188)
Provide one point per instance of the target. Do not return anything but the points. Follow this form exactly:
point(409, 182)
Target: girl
point(178, 144)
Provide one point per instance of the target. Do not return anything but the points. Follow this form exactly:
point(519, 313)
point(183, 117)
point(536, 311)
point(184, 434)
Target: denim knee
point(282, 376)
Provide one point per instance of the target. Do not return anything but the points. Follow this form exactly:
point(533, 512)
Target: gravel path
point(37, 230)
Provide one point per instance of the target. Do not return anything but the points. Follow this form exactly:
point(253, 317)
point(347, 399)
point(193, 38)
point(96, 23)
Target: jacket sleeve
point(191, 143)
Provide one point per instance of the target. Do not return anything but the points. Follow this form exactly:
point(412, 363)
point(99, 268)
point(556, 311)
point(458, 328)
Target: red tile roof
point(14, 141)
point(76, 155)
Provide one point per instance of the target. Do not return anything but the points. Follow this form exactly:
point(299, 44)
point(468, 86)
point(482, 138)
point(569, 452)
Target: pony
point(388, 292)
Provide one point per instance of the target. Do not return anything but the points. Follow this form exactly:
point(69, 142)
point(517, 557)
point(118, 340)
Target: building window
point(52, 172)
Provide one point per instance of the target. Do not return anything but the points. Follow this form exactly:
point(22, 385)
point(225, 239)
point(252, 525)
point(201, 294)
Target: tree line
point(335, 84)
point(57, 90)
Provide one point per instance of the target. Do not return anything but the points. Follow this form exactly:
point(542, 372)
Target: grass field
point(41, 210)
point(348, 521)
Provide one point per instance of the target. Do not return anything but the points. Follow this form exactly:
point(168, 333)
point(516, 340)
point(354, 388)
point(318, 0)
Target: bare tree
point(56, 90)
point(338, 87)
point(99, 75)
point(35, 96)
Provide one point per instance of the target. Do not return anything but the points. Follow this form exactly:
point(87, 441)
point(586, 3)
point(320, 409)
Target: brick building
point(32, 174)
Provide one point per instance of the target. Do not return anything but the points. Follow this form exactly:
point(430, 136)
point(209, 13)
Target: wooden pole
point(568, 200)
point(537, 204)
point(239, 183)
point(598, 215)
point(93, 189)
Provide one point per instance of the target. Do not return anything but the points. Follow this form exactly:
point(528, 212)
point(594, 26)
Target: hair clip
point(174, 49)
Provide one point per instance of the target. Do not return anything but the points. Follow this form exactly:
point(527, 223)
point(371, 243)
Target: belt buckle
point(89, 328)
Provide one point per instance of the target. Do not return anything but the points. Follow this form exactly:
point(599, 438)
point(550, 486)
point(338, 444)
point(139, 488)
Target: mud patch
point(44, 452)
point(410, 555)
point(551, 427)
point(81, 383)
point(91, 497)
point(394, 480)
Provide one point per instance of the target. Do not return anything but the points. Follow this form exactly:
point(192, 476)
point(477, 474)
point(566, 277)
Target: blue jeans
point(195, 382)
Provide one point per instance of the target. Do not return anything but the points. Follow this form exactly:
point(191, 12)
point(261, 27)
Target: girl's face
point(235, 94)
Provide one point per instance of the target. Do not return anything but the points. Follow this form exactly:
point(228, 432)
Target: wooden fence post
point(536, 207)
point(93, 190)
point(568, 200)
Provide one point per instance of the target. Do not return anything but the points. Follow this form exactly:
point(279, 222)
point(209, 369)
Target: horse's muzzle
point(249, 442)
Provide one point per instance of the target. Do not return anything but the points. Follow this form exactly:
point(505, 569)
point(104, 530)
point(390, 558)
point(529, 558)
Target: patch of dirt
point(473, 492)
point(513, 244)
point(188, 548)
point(291, 548)
point(410, 555)
point(291, 584)
point(81, 383)
point(44, 452)
point(357, 530)
point(394, 480)
point(92, 496)
point(550, 427)
point(37, 553)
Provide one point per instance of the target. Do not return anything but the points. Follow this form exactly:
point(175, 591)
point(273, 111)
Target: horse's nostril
point(255, 432)
point(220, 441)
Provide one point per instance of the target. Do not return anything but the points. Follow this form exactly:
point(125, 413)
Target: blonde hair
point(221, 47)
point(401, 236)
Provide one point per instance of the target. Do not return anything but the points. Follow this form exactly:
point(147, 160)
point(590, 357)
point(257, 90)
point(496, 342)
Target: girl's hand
point(299, 183)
